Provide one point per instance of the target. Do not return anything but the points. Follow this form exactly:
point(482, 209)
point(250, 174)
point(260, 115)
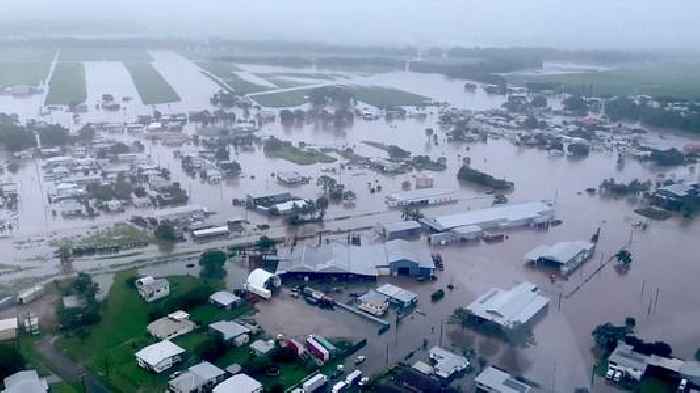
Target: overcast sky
point(551, 23)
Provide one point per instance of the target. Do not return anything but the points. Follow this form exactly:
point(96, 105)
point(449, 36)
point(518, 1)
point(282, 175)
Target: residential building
point(152, 289)
point(447, 364)
point(508, 309)
point(398, 296)
point(239, 383)
point(494, 380)
point(160, 356)
point(175, 324)
point(231, 332)
point(199, 378)
point(225, 300)
point(373, 303)
point(27, 381)
point(262, 347)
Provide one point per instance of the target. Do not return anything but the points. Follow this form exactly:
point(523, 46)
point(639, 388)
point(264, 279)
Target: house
point(27, 381)
point(231, 332)
point(175, 324)
point(508, 309)
point(225, 300)
point(494, 380)
point(401, 230)
point(373, 303)
point(398, 296)
point(199, 378)
point(262, 347)
point(446, 363)
point(239, 383)
point(565, 256)
point(291, 178)
point(152, 289)
point(262, 283)
point(8, 329)
point(160, 356)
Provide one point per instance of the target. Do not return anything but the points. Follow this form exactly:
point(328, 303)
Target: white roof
point(447, 363)
point(501, 381)
point(509, 308)
point(394, 292)
point(239, 383)
point(561, 252)
point(499, 215)
point(27, 381)
point(206, 371)
point(258, 278)
point(229, 329)
point(7, 324)
point(156, 353)
point(419, 194)
point(224, 298)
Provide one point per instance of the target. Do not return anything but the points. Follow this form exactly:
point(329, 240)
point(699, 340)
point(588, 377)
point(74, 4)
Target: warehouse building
point(498, 217)
point(565, 256)
point(508, 309)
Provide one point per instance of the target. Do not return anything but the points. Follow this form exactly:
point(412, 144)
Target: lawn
point(227, 72)
point(67, 85)
point(676, 80)
point(121, 235)
point(63, 387)
point(387, 97)
point(23, 73)
point(222, 69)
point(151, 85)
point(283, 99)
point(120, 333)
point(299, 156)
point(306, 75)
point(654, 385)
point(105, 54)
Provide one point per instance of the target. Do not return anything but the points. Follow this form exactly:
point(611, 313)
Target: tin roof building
point(509, 309)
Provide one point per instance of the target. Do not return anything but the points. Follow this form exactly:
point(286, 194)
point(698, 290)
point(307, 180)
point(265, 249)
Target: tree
point(11, 361)
point(221, 154)
point(165, 232)
point(212, 263)
point(327, 184)
point(265, 243)
point(624, 257)
point(575, 104)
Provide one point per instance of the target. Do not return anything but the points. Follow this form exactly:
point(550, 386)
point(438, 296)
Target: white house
point(446, 363)
point(374, 303)
point(239, 383)
point(27, 381)
point(152, 289)
point(262, 282)
point(199, 378)
point(175, 324)
point(224, 299)
point(231, 332)
point(160, 356)
point(494, 380)
point(8, 329)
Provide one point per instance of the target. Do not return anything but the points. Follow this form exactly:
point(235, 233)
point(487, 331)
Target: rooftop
point(402, 226)
point(397, 293)
point(229, 329)
point(156, 353)
point(501, 381)
point(503, 215)
point(239, 383)
point(27, 381)
point(447, 363)
point(224, 298)
point(561, 252)
point(509, 308)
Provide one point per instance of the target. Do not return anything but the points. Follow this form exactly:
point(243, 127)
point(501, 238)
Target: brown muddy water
point(665, 255)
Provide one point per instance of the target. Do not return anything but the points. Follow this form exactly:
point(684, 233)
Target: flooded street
point(665, 255)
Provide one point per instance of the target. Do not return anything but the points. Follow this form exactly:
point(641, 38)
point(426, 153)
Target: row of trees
point(15, 137)
point(623, 108)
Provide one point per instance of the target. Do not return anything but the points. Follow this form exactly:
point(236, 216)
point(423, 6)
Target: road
point(66, 368)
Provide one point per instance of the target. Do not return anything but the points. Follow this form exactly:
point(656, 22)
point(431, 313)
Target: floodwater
point(665, 254)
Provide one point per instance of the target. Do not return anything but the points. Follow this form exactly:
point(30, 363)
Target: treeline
point(15, 137)
point(471, 175)
point(484, 70)
point(623, 108)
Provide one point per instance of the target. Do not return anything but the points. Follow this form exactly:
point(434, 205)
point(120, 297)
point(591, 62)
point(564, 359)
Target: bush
point(212, 263)
point(11, 361)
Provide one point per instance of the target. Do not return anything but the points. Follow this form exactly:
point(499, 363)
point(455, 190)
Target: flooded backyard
point(560, 359)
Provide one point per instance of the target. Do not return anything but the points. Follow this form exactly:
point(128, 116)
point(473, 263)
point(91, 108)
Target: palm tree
point(624, 257)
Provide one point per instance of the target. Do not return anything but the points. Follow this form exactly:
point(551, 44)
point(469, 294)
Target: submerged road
point(67, 369)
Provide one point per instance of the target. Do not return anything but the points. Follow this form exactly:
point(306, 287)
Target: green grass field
point(386, 96)
point(67, 85)
point(227, 72)
point(283, 99)
point(151, 85)
point(300, 156)
point(222, 69)
point(121, 332)
point(676, 80)
point(105, 54)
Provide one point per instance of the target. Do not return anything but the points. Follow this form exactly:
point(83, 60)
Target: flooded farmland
point(559, 358)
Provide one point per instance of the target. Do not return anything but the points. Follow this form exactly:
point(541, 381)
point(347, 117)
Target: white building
point(374, 303)
point(566, 256)
point(511, 308)
point(159, 357)
point(446, 363)
point(175, 324)
point(231, 332)
point(493, 380)
point(261, 282)
point(498, 217)
point(8, 329)
point(239, 383)
point(420, 197)
point(152, 289)
point(199, 378)
point(398, 295)
point(27, 381)
point(225, 299)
